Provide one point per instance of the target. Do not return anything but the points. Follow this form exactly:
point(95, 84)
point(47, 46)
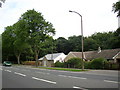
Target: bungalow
point(49, 59)
point(110, 54)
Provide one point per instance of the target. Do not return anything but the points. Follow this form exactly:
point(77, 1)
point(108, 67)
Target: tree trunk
point(36, 58)
point(18, 59)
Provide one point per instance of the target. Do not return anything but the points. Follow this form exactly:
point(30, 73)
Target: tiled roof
point(89, 55)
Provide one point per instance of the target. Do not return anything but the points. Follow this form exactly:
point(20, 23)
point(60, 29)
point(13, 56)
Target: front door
point(44, 63)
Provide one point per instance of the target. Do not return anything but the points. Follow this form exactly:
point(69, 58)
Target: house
point(49, 59)
point(110, 54)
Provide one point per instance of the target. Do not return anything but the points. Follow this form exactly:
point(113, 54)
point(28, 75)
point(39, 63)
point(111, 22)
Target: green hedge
point(98, 63)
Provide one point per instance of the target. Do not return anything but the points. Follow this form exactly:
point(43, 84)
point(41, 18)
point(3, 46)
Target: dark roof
point(89, 55)
point(108, 54)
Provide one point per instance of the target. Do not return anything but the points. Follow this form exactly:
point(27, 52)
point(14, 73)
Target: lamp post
point(81, 37)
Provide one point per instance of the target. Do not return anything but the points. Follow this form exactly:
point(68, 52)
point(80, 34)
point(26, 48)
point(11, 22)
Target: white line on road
point(20, 74)
point(1, 69)
point(72, 77)
point(110, 81)
point(79, 88)
point(44, 80)
point(8, 70)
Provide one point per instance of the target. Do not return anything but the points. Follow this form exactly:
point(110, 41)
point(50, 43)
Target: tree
point(2, 1)
point(104, 39)
point(90, 44)
point(7, 43)
point(20, 39)
point(116, 8)
point(62, 45)
point(75, 43)
point(38, 30)
point(116, 43)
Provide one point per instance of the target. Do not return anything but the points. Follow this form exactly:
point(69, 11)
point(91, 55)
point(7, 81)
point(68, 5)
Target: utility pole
point(81, 37)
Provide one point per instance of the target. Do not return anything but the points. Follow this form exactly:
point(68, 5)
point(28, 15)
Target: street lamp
point(81, 37)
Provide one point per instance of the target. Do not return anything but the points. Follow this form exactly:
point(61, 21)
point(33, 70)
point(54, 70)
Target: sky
point(97, 15)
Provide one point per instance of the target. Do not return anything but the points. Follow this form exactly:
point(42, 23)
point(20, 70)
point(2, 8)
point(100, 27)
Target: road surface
point(27, 77)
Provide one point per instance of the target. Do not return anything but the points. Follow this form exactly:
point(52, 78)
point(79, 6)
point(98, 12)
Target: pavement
point(28, 77)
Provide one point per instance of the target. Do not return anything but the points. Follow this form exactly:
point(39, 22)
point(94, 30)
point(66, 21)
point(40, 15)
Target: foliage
point(75, 43)
point(116, 8)
point(117, 39)
point(98, 63)
point(59, 64)
point(2, 1)
point(62, 45)
point(103, 40)
point(74, 63)
point(38, 30)
point(87, 64)
point(28, 36)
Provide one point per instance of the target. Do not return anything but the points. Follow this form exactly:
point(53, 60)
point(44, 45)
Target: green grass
point(55, 68)
point(64, 69)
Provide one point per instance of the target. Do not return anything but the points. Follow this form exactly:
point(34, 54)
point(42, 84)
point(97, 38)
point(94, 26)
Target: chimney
point(99, 49)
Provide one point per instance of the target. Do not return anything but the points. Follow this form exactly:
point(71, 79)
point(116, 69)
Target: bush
point(74, 63)
point(98, 63)
point(59, 64)
point(87, 65)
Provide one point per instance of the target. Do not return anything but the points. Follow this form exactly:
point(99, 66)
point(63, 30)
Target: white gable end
point(60, 58)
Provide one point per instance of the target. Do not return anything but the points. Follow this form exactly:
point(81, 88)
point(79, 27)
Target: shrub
point(58, 64)
point(98, 63)
point(74, 63)
point(87, 65)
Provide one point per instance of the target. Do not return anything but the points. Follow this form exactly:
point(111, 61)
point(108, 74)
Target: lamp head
point(70, 11)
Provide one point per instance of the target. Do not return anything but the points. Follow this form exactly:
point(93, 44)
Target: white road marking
point(110, 81)
point(72, 77)
point(20, 74)
point(44, 80)
point(1, 69)
point(8, 70)
point(43, 73)
point(79, 88)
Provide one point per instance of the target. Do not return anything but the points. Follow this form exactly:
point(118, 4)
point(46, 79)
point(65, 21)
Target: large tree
point(38, 30)
point(116, 7)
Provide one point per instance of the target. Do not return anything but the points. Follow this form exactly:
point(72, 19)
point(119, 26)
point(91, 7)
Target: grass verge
point(64, 69)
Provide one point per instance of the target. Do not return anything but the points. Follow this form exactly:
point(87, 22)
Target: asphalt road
point(27, 77)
